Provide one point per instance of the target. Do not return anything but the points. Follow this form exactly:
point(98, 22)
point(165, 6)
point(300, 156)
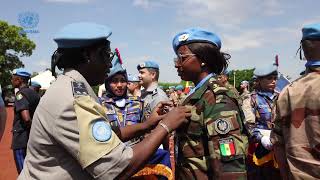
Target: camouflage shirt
point(212, 144)
point(296, 136)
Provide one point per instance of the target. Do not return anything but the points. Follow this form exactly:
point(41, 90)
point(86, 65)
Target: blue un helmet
point(148, 64)
point(262, 71)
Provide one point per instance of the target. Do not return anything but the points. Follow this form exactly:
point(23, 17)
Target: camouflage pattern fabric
point(212, 145)
point(235, 92)
point(297, 128)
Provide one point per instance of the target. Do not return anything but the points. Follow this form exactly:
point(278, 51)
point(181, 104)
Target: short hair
point(210, 54)
point(156, 71)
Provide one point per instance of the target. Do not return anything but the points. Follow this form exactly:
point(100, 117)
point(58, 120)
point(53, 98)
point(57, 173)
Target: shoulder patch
point(222, 126)
point(19, 96)
point(79, 89)
point(101, 130)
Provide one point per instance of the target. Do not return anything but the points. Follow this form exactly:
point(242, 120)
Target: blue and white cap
point(133, 78)
point(192, 35)
point(148, 64)
point(262, 71)
point(21, 72)
point(35, 84)
point(81, 34)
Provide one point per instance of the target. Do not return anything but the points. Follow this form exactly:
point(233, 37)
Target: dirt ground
point(7, 166)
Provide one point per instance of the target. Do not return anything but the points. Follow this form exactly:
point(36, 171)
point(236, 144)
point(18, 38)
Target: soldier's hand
point(158, 113)
point(176, 117)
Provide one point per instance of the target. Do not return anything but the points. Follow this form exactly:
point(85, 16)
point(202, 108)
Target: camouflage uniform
point(119, 117)
point(235, 91)
point(296, 136)
point(212, 145)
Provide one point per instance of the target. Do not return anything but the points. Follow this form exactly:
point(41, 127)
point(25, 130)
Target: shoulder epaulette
point(79, 88)
point(134, 98)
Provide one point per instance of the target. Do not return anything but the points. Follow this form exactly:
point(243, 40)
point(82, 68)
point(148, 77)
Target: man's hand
point(158, 113)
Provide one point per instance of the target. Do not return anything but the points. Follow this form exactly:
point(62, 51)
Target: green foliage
point(166, 85)
point(95, 89)
point(13, 44)
point(240, 75)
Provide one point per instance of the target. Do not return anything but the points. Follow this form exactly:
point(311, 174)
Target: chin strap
point(54, 61)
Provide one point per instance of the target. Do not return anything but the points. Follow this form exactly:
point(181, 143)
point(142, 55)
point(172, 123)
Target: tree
point(240, 75)
point(14, 43)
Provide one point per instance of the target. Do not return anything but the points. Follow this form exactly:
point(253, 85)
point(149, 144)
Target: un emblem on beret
point(183, 37)
point(28, 19)
point(142, 65)
point(222, 126)
point(101, 131)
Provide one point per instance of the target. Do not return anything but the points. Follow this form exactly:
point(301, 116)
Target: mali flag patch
point(227, 147)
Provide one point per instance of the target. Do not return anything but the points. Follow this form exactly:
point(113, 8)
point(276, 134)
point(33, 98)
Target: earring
point(203, 64)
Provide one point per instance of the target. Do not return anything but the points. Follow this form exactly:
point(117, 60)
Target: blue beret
point(35, 84)
point(81, 35)
point(133, 78)
point(148, 64)
point(195, 35)
point(262, 71)
point(311, 32)
point(116, 66)
point(179, 87)
point(21, 72)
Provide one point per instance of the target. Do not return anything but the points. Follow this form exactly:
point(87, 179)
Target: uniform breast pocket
point(133, 117)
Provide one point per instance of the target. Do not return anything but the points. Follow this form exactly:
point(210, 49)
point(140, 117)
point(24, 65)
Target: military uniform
point(212, 145)
point(296, 136)
point(26, 99)
point(259, 124)
point(58, 147)
point(71, 137)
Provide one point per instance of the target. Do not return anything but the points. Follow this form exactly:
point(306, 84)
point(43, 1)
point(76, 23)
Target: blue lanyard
point(200, 83)
point(313, 63)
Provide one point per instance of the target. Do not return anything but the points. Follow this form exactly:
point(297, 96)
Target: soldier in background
point(296, 136)
point(24, 107)
point(245, 93)
point(223, 79)
point(35, 86)
point(212, 145)
point(258, 122)
point(134, 87)
point(151, 94)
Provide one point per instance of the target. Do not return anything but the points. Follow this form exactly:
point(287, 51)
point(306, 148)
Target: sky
point(252, 31)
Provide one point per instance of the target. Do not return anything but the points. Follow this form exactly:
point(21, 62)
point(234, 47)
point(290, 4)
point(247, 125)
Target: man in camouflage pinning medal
point(71, 137)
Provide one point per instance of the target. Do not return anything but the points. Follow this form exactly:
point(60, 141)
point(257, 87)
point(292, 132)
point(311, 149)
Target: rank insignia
point(222, 126)
point(101, 131)
point(183, 37)
point(79, 89)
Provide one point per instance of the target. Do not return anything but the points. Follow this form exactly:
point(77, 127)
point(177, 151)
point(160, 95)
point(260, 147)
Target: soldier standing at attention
point(223, 79)
point(296, 136)
point(212, 145)
point(24, 106)
point(71, 137)
point(259, 124)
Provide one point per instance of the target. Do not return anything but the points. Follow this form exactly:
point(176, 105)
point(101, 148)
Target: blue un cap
point(192, 35)
point(179, 87)
point(81, 34)
point(262, 71)
point(311, 32)
point(21, 72)
point(116, 65)
point(148, 64)
point(133, 78)
point(35, 84)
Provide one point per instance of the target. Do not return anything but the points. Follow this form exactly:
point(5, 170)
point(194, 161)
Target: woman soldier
point(212, 145)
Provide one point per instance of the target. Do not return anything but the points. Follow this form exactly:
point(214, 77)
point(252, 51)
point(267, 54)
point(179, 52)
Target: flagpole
point(234, 79)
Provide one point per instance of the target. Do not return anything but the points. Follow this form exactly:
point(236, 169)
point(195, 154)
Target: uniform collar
point(270, 95)
point(153, 86)
point(76, 76)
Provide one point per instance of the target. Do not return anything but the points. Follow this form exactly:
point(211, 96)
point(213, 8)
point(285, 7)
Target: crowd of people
point(138, 130)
